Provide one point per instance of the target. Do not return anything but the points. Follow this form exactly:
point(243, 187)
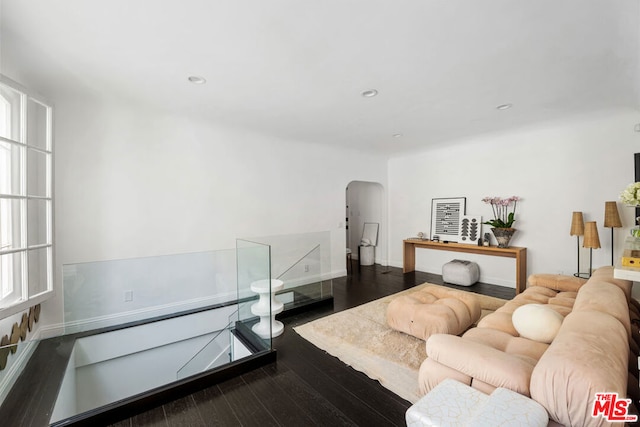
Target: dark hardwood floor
point(306, 386)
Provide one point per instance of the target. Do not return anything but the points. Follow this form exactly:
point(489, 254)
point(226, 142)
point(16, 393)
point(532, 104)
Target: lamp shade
point(591, 238)
point(577, 224)
point(611, 216)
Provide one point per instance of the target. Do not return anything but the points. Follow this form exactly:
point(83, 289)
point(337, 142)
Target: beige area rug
point(361, 338)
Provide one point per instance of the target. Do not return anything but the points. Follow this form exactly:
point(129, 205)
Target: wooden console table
point(520, 254)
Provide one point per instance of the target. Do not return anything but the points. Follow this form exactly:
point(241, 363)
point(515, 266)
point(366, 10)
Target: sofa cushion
point(556, 282)
point(589, 355)
point(528, 350)
point(537, 322)
point(605, 297)
point(488, 364)
point(433, 310)
point(562, 302)
point(606, 274)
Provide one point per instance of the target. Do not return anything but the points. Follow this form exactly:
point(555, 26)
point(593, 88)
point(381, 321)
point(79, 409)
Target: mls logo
point(611, 408)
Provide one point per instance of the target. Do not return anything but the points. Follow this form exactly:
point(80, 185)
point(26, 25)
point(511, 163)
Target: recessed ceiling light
point(369, 93)
point(397, 135)
point(504, 106)
point(197, 80)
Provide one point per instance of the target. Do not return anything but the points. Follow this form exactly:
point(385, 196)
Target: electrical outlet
point(128, 296)
point(306, 268)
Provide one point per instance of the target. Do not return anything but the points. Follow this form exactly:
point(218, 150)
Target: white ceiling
point(296, 68)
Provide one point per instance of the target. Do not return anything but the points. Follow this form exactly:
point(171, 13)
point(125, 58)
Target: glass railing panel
point(254, 273)
point(216, 353)
point(108, 293)
point(161, 317)
point(287, 250)
point(303, 263)
point(303, 280)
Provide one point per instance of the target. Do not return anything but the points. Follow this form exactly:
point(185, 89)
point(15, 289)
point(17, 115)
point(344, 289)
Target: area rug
point(361, 338)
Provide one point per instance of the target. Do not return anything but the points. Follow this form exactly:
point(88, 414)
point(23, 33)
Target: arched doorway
point(366, 202)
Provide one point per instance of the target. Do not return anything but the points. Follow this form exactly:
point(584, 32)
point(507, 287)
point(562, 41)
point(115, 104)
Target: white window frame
point(6, 270)
point(15, 295)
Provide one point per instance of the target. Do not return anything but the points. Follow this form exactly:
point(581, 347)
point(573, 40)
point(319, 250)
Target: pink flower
point(504, 217)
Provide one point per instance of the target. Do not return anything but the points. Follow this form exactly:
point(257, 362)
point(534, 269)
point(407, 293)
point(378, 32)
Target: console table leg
point(521, 271)
point(408, 257)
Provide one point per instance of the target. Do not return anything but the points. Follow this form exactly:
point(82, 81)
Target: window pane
point(37, 163)
point(37, 125)
point(10, 224)
point(10, 155)
point(37, 230)
point(10, 278)
point(9, 113)
point(38, 277)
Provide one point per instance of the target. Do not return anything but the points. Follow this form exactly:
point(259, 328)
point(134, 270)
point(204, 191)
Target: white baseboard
point(484, 279)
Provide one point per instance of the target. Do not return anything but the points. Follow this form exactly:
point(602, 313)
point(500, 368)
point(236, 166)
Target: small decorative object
point(503, 236)
point(421, 235)
point(631, 254)
point(486, 240)
point(4, 351)
point(445, 217)
point(470, 229)
point(267, 307)
point(577, 229)
point(14, 338)
point(9, 343)
point(631, 197)
point(24, 326)
point(635, 231)
point(503, 218)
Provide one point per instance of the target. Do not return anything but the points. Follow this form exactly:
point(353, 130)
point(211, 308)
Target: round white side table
point(267, 307)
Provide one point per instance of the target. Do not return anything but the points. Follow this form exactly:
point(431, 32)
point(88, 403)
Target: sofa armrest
point(481, 362)
point(588, 356)
point(557, 282)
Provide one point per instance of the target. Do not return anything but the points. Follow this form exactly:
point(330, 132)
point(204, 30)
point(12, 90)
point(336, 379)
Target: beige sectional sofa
point(595, 349)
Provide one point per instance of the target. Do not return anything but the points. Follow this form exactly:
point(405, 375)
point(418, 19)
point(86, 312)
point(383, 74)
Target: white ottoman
point(460, 272)
point(452, 403)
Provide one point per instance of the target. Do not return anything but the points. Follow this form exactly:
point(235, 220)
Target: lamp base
point(582, 275)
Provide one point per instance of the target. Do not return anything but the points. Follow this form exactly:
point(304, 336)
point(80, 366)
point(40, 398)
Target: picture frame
point(445, 218)
point(470, 229)
point(370, 232)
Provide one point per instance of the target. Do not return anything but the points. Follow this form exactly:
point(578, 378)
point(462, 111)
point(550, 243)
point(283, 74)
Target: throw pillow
point(537, 322)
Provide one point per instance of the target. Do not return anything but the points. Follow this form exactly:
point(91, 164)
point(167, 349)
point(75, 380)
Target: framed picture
point(470, 229)
point(445, 218)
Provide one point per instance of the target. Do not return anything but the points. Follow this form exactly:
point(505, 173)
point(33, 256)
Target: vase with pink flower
point(504, 215)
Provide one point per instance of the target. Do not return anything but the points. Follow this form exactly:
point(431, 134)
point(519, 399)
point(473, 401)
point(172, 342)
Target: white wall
point(131, 183)
point(557, 168)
